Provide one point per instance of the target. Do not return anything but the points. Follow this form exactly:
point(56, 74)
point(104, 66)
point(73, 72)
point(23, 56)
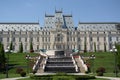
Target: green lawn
point(17, 60)
point(89, 79)
point(103, 59)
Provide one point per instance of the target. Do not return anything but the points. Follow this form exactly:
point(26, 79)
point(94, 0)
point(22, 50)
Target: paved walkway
point(110, 78)
point(15, 78)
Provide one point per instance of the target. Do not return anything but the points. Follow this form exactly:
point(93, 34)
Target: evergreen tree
point(94, 46)
point(85, 45)
point(31, 47)
point(11, 46)
point(105, 47)
point(21, 48)
point(118, 54)
point(2, 56)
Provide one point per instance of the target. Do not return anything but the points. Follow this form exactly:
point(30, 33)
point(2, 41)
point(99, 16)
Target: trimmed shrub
point(19, 70)
point(23, 74)
point(86, 72)
point(100, 74)
point(34, 72)
point(61, 77)
point(115, 71)
point(100, 69)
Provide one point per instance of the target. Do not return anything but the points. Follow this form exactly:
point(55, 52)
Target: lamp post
point(7, 61)
point(27, 58)
point(92, 57)
point(114, 50)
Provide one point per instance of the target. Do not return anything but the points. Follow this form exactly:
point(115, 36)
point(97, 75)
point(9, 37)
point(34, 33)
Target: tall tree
point(94, 46)
point(105, 47)
point(21, 48)
point(118, 54)
point(2, 56)
point(85, 45)
point(11, 46)
point(31, 47)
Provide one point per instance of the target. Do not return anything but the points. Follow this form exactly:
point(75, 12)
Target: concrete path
point(110, 78)
point(15, 78)
point(102, 77)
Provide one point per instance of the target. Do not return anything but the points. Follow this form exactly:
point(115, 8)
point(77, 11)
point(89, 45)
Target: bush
point(23, 74)
point(100, 74)
point(34, 72)
point(86, 72)
point(100, 69)
point(31, 51)
point(19, 70)
point(115, 71)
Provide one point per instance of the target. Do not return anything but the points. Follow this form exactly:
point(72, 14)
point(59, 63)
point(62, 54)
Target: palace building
point(59, 33)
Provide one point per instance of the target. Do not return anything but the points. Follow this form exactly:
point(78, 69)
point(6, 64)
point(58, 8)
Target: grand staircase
point(60, 64)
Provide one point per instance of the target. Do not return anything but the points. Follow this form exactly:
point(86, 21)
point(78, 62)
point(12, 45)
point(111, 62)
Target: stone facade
point(60, 33)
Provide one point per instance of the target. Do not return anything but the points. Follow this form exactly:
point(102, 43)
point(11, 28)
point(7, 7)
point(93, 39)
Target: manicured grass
point(89, 79)
point(103, 59)
point(17, 60)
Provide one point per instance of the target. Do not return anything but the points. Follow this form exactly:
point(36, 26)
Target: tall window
point(116, 38)
point(79, 47)
point(37, 47)
point(91, 39)
point(1, 39)
point(31, 39)
point(13, 39)
point(110, 39)
point(97, 38)
point(104, 38)
point(74, 39)
point(67, 38)
point(37, 39)
point(42, 39)
point(49, 39)
point(19, 39)
point(7, 39)
point(46, 39)
point(78, 38)
point(42, 33)
point(98, 47)
point(25, 39)
point(25, 47)
point(90, 32)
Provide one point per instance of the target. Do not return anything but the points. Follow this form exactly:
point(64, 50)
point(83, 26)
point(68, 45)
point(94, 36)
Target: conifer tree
point(85, 45)
point(31, 47)
point(118, 54)
point(94, 46)
point(21, 48)
point(11, 46)
point(105, 47)
point(2, 56)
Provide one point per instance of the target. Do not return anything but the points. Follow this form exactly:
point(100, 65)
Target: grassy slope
point(17, 60)
point(103, 59)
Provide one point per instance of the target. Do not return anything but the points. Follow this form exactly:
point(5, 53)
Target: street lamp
point(7, 61)
point(114, 50)
point(92, 57)
point(27, 58)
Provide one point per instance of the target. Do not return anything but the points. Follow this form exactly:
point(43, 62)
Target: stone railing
point(37, 64)
point(84, 65)
point(76, 67)
point(45, 63)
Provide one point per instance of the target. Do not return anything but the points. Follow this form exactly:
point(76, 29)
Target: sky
point(81, 10)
